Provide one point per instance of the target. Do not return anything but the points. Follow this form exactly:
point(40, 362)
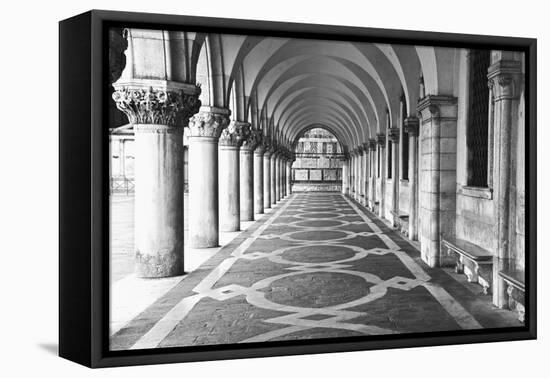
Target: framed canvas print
point(233, 188)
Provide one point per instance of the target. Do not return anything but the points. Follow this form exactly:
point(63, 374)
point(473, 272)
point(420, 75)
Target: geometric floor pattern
point(320, 266)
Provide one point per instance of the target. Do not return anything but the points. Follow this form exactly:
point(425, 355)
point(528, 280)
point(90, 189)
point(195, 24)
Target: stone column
point(288, 177)
point(372, 171)
point(267, 178)
point(283, 176)
point(358, 174)
point(504, 80)
point(158, 110)
point(230, 175)
point(381, 141)
point(205, 129)
point(438, 192)
point(278, 177)
point(273, 178)
point(351, 173)
point(283, 172)
point(259, 178)
point(393, 135)
point(364, 182)
point(345, 178)
point(411, 127)
point(360, 193)
point(247, 173)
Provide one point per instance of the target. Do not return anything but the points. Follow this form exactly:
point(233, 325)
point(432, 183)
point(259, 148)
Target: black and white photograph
point(268, 189)
point(245, 189)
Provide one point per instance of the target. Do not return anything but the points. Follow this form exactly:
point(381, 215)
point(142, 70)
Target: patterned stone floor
point(319, 266)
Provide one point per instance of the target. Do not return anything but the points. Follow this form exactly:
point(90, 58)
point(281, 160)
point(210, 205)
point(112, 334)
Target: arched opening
point(319, 159)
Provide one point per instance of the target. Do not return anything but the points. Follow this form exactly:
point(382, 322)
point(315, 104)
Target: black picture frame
point(83, 196)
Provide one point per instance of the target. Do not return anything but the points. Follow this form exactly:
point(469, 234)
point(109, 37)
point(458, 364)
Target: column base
point(158, 266)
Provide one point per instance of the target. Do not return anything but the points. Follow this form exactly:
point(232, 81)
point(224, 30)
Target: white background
point(29, 186)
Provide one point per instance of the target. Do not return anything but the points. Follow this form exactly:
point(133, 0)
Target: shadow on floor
point(51, 348)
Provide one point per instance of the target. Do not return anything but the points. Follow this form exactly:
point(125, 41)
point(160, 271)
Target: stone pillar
point(259, 179)
point(204, 130)
point(230, 175)
point(381, 141)
point(273, 178)
point(283, 177)
point(158, 110)
point(345, 177)
point(438, 184)
point(393, 135)
point(372, 171)
point(247, 173)
point(267, 178)
point(356, 194)
point(360, 193)
point(365, 180)
point(504, 81)
point(288, 177)
point(351, 173)
point(278, 175)
point(411, 127)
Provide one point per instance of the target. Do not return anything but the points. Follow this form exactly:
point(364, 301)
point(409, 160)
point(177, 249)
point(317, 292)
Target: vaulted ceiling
point(286, 86)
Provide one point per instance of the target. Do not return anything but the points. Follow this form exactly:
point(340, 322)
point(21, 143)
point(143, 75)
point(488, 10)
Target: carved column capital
point(381, 140)
point(260, 145)
point(411, 126)
point(433, 106)
point(372, 144)
point(157, 102)
point(253, 140)
point(234, 134)
point(269, 149)
point(366, 147)
point(209, 122)
point(504, 79)
point(393, 134)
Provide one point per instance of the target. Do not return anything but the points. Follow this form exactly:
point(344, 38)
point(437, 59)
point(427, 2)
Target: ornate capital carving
point(366, 147)
point(381, 139)
point(260, 145)
point(253, 140)
point(411, 126)
point(209, 122)
point(437, 107)
point(393, 134)
point(372, 144)
point(269, 149)
point(150, 102)
point(234, 134)
point(504, 79)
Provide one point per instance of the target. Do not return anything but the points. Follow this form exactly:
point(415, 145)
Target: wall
point(388, 201)
point(475, 215)
point(404, 196)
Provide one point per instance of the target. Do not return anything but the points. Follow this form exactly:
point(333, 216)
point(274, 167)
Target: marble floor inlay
point(318, 266)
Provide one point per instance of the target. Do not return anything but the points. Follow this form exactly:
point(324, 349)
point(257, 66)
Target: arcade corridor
point(318, 265)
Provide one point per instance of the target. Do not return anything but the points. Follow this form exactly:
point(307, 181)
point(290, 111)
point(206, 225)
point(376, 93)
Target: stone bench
point(401, 222)
point(515, 282)
point(475, 262)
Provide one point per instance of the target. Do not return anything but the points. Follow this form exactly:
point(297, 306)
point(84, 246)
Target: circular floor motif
point(318, 254)
point(316, 290)
point(319, 223)
point(318, 235)
point(314, 215)
point(320, 209)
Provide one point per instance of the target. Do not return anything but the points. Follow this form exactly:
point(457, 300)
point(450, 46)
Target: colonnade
point(234, 173)
point(365, 174)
